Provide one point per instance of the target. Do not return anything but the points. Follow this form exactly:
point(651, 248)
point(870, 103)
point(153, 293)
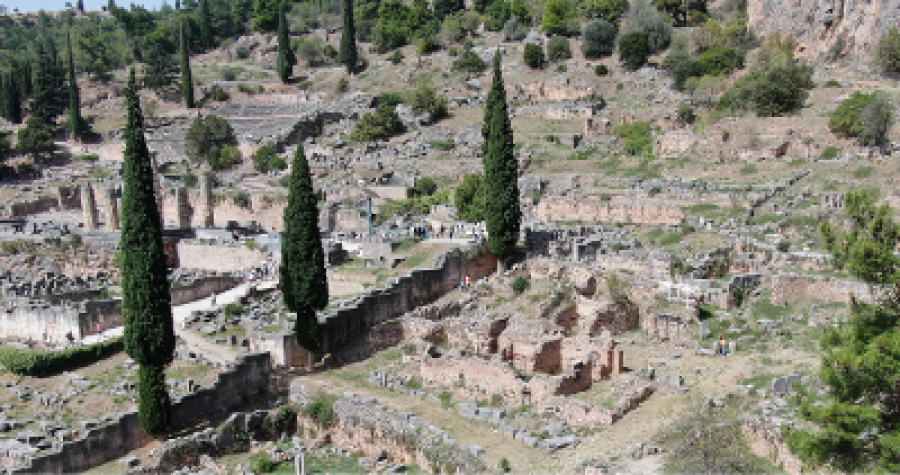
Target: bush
point(867, 117)
point(89, 157)
point(686, 114)
point(644, 17)
point(784, 246)
point(601, 70)
point(513, 30)
point(209, 139)
point(189, 179)
point(218, 94)
point(634, 48)
point(638, 137)
point(47, 363)
point(425, 186)
point(720, 60)
point(242, 52)
point(889, 51)
point(830, 153)
point(469, 198)
point(559, 17)
point(382, 124)
point(770, 92)
point(241, 199)
point(520, 284)
point(229, 74)
point(261, 463)
point(343, 86)
point(505, 467)
point(534, 56)
point(599, 38)
point(610, 10)
point(425, 99)
point(321, 410)
point(469, 62)
point(267, 158)
point(396, 57)
point(561, 68)
point(558, 49)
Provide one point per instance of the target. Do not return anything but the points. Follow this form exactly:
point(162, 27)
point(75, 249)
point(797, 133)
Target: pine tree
point(76, 123)
point(501, 172)
point(286, 60)
point(49, 78)
point(80, 5)
point(348, 55)
point(187, 84)
point(204, 23)
point(303, 280)
point(149, 332)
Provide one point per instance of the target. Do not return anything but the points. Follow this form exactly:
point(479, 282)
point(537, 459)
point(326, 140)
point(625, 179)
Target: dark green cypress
point(187, 84)
point(12, 98)
point(304, 284)
point(501, 172)
point(149, 331)
point(205, 25)
point(49, 78)
point(284, 64)
point(76, 123)
point(348, 55)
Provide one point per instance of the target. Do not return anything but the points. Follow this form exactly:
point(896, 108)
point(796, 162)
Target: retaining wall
point(245, 384)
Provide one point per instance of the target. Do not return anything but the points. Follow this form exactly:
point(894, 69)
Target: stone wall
point(27, 208)
point(766, 442)
point(202, 288)
point(220, 258)
point(422, 286)
point(788, 288)
point(593, 209)
point(246, 383)
point(36, 320)
point(473, 377)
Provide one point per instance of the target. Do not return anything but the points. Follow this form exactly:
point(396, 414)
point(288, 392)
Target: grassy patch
point(415, 260)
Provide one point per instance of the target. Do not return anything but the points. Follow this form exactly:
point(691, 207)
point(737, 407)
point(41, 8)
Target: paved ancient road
point(219, 354)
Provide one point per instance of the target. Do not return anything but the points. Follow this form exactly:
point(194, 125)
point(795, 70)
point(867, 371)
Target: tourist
point(723, 345)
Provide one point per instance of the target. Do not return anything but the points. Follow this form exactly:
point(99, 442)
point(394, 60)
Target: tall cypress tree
point(76, 123)
point(286, 60)
point(187, 84)
point(12, 98)
point(501, 172)
point(303, 280)
point(348, 55)
point(149, 332)
point(205, 25)
point(49, 78)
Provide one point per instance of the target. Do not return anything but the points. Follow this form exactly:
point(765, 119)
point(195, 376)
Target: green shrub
point(446, 400)
point(321, 410)
point(862, 173)
point(776, 91)
point(638, 137)
point(558, 49)
point(830, 153)
point(889, 51)
point(469, 62)
point(686, 114)
point(601, 70)
point(561, 68)
point(720, 60)
point(533, 56)
point(505, 467)
point(218, 94)
point(212, 139)
point(749, 170)
point(396, 57)
point(229, 74)
point(189, 179)
point(426, 99)
point(425, 186)
point(242, 199)
point(285, 420)
point(343, 85)
point(89, 157)
point(644, 17)
point(261, 463)
point(382, 124)
point(599, 39)
point(867, 117)
point(520, 284)
point(242, 52)
point(634, 48)
point(832, 83)
point(784, 246)
point(267, 158)
point(47, 363)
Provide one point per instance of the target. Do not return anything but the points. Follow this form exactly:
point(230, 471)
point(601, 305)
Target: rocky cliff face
point(827, 29)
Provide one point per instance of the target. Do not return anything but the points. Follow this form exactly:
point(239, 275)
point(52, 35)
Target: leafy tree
point(77, 125)
point(773, 91)
point(207, 139)
point(558, 49)
point(685, 114)
point(303, 280)
point(286, 59)
point(149, 331)
point(867, 117)
point(425, 99)
point(520, 11)
point(889, 51)
point(610, 10)
point(857, 424)
point(382, 124)
point(599, 39)
point(533, 55)
point(643, 16)
point(265, 17)
point(187, 84)
point(161, 67)
point(95, 54)
point(442, 8)
point(469, 198)
point(720, 60)
point(469, 62)
point(501, 172)
point(36, 138)
point(634, 48)
point(558, 17)
point(267, 158)
point(348, 55)
point(513, 31)
point(425, 186)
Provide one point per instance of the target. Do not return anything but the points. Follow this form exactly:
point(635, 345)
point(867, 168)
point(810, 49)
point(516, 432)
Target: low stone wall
point(473, 377)
point(593, 209)
point(218, 258)
point(406, 293)
point(38, 320)
point(766, 442)
point(27, 208)
point(202, 288)
point(246, 383)
point(787, 288)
